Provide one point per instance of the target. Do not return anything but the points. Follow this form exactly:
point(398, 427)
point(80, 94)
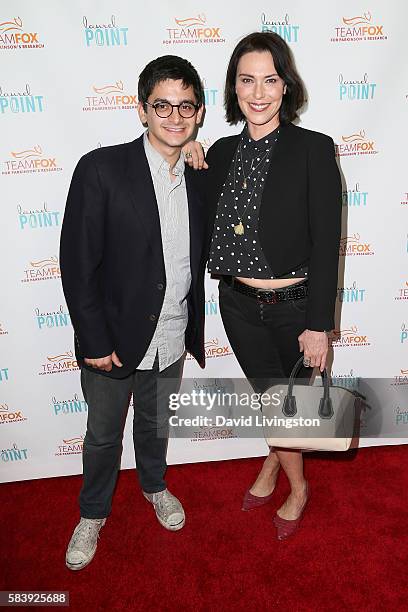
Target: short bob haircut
point(295, 95)
point(169, 67)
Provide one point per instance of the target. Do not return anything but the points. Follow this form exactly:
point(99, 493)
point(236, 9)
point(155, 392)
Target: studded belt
point(268, 296)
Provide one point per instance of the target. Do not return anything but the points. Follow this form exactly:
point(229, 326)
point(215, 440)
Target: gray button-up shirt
point(171, 196)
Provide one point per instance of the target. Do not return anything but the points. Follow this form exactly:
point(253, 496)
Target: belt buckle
point(270, 300)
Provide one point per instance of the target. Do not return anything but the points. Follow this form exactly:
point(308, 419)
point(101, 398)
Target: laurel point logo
point(12, 26)
point(355, 197)
point(351, 294)
point(356, 90)
point(283, 26)
point(104, 34)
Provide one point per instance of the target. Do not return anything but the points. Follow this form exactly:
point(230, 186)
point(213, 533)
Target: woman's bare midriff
point(269, 283)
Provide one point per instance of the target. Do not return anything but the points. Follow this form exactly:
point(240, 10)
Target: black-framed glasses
point(164, 109)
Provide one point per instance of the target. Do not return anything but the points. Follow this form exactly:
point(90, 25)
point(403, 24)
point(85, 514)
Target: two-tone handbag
point(309, 417)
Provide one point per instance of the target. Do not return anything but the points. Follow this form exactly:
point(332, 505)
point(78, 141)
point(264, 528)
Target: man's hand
point(314, 345)
point(194, 155)
point(104, 363)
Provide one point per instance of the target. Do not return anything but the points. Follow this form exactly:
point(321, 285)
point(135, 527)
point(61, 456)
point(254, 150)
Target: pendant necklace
point(239, 229)
point(251, 169)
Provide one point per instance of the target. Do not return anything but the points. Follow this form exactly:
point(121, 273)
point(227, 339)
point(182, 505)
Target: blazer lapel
point(196, 214)
point(280, 160)
point(217, 174)
point(141, 192)
point(221, 171)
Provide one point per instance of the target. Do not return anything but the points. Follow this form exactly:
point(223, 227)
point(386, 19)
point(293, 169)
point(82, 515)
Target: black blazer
point(111, 257)
point(300, 213)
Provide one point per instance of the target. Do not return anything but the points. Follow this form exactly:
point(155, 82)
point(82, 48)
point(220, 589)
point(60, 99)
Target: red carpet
point(349, 554)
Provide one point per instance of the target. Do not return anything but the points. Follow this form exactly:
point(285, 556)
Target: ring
point(188, 154)
point(306, 362)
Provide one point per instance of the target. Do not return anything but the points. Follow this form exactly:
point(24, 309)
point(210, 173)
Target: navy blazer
point(300, 212)
point(111, 257)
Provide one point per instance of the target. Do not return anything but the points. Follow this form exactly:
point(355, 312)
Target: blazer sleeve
point(324, 206)
point(81, 255)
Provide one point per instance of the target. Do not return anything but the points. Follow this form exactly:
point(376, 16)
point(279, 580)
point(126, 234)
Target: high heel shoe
point(285, 527)
point(254, 501)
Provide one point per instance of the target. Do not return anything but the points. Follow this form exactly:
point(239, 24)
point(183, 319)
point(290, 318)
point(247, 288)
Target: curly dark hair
point(282, 56)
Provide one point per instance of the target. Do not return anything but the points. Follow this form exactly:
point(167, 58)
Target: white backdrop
point(68, 84)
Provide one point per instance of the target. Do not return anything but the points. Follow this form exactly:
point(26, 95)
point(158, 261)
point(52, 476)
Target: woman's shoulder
point(309, 136)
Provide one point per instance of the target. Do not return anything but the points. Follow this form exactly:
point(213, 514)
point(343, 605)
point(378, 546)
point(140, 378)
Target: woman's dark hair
point(295, 95)
point(169, 67)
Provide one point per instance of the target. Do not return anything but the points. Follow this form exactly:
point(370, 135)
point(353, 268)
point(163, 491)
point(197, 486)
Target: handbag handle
point(289, 408)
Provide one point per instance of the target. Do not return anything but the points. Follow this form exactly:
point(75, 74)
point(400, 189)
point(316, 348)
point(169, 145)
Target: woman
point(275, 193)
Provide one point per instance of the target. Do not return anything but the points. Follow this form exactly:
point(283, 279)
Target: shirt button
point(152, 317)
point(160, 286)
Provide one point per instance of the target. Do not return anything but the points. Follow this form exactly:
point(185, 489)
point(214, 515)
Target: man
point(132, 262)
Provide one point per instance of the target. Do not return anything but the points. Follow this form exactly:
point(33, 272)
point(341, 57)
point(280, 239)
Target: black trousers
point(264, 337)
point(108, 402)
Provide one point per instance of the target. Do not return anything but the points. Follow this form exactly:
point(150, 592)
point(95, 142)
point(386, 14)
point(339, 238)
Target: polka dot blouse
point(235, 247)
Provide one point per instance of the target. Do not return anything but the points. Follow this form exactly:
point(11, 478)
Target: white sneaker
point(82, 546)
point(169, 510)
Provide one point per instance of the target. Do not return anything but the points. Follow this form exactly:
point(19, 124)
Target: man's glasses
point(164, 109)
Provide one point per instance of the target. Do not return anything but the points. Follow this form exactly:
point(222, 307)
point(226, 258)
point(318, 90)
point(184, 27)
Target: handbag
point(309, 417)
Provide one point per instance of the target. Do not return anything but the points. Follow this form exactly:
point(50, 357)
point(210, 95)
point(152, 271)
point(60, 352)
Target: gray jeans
point(108, 402)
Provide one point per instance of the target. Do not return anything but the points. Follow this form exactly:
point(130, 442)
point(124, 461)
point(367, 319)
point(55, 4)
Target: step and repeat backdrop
point(68, 84)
